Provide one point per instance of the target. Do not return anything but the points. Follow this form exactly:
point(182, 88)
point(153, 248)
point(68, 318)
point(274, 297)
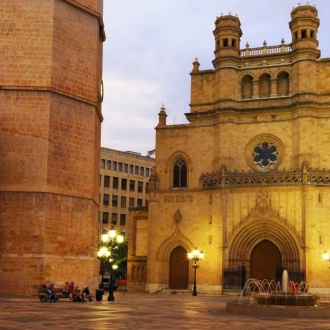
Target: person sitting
point(51, 290)
point(66, 290)
point(79, 296)
point(71, 289)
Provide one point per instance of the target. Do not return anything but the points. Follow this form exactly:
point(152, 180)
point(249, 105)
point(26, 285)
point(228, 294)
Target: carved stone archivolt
point(263, 223)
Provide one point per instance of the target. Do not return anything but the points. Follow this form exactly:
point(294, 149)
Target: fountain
point(289, 299)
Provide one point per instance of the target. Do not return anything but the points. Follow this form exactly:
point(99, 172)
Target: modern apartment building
point(124, 183)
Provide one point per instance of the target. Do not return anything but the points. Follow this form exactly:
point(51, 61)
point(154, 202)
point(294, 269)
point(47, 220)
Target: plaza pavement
point(140, 311)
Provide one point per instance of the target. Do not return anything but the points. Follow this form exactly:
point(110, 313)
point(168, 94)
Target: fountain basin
point(279, 311)
point(281, 298)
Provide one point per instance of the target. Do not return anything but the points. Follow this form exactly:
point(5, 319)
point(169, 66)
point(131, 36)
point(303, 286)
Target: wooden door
point(265, 259)
point(179, 269)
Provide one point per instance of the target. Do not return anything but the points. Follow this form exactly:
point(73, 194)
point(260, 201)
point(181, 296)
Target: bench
point(58, 292)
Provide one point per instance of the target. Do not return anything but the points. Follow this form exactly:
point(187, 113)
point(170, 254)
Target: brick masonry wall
point(50, 143)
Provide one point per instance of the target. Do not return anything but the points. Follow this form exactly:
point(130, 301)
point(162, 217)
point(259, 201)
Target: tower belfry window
point(225, 42)
point(180, 174)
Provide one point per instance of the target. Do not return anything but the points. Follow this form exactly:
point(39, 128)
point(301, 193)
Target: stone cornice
point(55, 91)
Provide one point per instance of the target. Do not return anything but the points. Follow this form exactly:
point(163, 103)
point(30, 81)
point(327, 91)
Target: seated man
point(65, 291)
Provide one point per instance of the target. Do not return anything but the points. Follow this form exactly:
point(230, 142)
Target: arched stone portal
point(265, 258)
point(179, 269)
point(264, 225)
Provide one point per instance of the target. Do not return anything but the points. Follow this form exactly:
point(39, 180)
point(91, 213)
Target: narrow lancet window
point(180, 174)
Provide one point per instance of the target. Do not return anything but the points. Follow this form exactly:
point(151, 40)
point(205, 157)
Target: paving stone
point(140, 311)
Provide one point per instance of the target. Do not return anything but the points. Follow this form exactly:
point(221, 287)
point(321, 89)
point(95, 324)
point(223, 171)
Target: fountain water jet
point(285, 281)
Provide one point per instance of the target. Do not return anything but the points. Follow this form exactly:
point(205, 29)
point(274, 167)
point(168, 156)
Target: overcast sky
point(149, 51)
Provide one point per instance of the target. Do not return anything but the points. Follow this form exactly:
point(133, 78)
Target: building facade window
point(120, 167)
point(115, 183)
point(140, 186)
point(136, 170)
point(131, 202)
point(123, 202)
point(102, 163)
point(142, 171)
point(106, 198)
point(105, 218)
point(123, 220)
point(107, 181)
point(180, 174)
point(123, 184)
point(131, 185)
point(114, 200)
point(147, 172)
point(108, 164)
point(131, 169)
point(139, 202)
point(114, 219)
point(126, 168)
point(114, 166)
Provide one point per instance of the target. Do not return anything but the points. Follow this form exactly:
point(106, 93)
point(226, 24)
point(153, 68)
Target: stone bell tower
point(227, 35)
point(50, 123)
point(304, 26)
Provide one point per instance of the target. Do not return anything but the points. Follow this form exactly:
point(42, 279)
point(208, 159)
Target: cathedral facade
point(247, 180)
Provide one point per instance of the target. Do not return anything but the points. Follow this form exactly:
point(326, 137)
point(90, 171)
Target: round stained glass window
point(264, 153)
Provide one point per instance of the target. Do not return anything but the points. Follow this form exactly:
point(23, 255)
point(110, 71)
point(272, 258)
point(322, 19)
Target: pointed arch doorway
point(265, 258)
point(179, 269)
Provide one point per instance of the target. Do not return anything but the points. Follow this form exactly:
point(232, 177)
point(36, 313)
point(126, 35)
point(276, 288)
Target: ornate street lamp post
point(103, 254)
point(195, 256)
point(110, 242)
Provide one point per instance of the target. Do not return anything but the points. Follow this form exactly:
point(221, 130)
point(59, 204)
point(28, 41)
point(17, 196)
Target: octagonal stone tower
point(50, 78)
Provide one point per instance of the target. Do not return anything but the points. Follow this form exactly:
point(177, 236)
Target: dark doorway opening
point(179, 269)
point(265, 258)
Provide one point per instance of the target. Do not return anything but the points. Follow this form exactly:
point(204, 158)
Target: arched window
point(283, 84)
point(264, 85)
point(247, 87)
point(180, 174)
